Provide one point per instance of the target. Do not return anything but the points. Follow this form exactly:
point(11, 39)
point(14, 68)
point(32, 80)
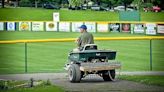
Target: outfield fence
point(150, 38)
point(133, 27)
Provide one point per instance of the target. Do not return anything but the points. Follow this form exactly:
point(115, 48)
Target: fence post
point(151, 55)
point(25, 57)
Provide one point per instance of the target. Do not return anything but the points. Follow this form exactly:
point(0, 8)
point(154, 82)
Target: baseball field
point(51, 56)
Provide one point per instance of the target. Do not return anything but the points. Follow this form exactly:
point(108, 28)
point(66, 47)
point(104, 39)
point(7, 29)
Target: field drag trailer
point(90, 60)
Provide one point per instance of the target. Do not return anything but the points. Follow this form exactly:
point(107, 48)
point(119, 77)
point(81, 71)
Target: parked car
point(84, 7)
point(95, 7)
point(122, 8)
point(99, 8)
point(74, 8)
point(154, 9)
point(51, 6)
point(102, 8)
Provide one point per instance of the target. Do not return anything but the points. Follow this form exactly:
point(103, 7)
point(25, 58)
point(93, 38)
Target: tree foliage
point(76, 2)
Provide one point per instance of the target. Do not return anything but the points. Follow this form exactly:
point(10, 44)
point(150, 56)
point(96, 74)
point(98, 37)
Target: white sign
point(75, 26)
point(56, 17)
point(138, 28)
point(1, 26)
point(102, 27)
point(24, 26)
point(91, 26)
point(51, 26)
point(11, 26)
point(160, 28)
point(64, 26)
point(37, 26)
point(150, 28)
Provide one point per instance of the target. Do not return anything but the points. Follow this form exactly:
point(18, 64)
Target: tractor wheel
point(74, 73)
point(109, 75)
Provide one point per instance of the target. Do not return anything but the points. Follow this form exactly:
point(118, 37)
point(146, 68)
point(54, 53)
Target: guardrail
point(73, 39)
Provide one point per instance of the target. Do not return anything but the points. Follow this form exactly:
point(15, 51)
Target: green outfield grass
point(51, 56)
point(19, 14)
point(149, 80)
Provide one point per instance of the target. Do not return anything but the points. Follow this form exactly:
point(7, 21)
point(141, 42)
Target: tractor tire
point(109, 75)
point(74, 73)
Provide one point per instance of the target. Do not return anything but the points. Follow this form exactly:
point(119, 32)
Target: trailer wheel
point(74, 73)
point(109, 75)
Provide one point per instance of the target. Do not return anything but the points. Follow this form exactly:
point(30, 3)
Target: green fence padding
point(129, 16)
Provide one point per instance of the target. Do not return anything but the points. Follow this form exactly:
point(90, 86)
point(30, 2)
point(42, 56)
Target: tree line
point(110, 3)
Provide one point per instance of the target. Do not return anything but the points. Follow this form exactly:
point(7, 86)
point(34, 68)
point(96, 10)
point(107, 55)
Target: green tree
point(137, 3)
point(76, 2)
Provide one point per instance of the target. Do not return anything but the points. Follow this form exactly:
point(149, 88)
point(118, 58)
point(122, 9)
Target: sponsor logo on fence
point(11, 26)
point(1, 26)
point(114, 27)
point(37, 26)
point(125, 27)
point(91, 26)
point(102, 27)
point(160, 28)
point(75, 26)
point(151, 29)
point(138, 28)
point(51, 26)
point(24, 26)
point(64, 26)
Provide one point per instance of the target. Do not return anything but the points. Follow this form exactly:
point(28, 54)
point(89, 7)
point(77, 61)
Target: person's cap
point(83, 27)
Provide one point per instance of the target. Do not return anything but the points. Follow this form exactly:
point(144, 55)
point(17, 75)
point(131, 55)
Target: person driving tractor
point(84, 38)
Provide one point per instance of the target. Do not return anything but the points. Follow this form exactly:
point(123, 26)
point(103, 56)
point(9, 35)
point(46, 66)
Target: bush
point(3, 85)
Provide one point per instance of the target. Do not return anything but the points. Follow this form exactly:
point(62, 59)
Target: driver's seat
point(90, 47)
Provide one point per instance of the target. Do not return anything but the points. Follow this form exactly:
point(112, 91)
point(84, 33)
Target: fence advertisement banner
point(160, 28)
point(11, 26)
point(126, 27)
point(91, 26)
point(102, 27)
point(37, 26)
point(51, 26)
point(138, 28)
point(151, 29)
point(75, 26)
point(1, 26)
point(64, 26)
point(114, 27)
point(24, 26)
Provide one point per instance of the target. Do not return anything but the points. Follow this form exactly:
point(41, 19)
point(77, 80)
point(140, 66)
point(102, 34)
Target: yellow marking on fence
point(73, 39)
point(131, 38)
